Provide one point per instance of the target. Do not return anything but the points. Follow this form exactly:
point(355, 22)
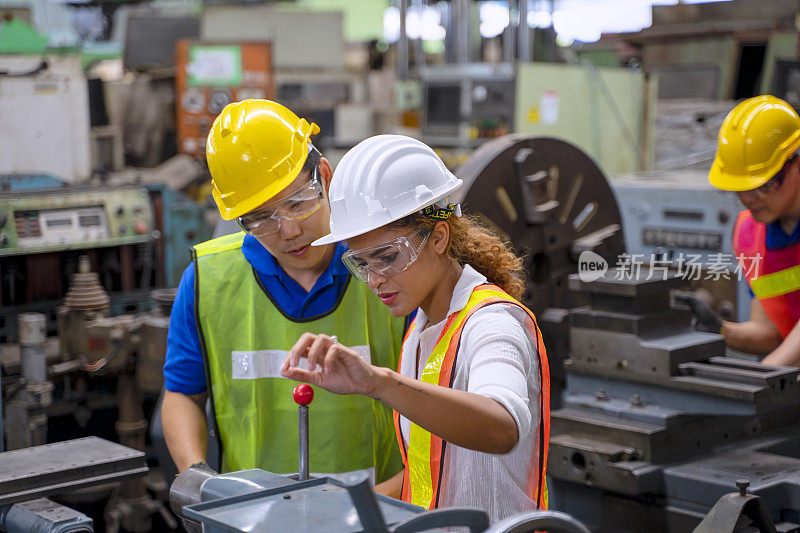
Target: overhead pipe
point(509, 35)
point(462, 20)
point(523, 30)
point(419, 52)
point(402, 43)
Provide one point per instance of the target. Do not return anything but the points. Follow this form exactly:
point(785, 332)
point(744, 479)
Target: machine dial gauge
point(479, 93)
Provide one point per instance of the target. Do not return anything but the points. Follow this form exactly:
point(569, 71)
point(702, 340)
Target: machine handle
point(187, 487)
point(475, 519)
point(552, 521)
point(366, 504)
point(303, 395)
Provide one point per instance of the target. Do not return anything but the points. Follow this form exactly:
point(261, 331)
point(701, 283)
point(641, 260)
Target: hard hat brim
point(737, 183)
point(344, 235)
point(257, 200)
point(727, 182)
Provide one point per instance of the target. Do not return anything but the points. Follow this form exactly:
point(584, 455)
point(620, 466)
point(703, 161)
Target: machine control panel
point(676, 214)
point(59, 226)
point(64, 218)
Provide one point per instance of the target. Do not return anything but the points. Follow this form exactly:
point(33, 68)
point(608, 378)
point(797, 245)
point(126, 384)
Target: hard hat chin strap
point(441, 210)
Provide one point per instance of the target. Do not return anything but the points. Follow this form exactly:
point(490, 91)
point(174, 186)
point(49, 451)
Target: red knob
point(140, 227)
point(303, 394)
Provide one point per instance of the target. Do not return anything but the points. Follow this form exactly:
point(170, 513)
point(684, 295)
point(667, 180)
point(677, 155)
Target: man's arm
point(757, 336)
point(185, 429)
point(183, 415)
point(392, 487)
point(788, 353)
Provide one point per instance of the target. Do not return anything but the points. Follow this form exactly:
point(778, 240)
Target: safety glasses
point(296, 207)
point(385, 260)
point(774, 182)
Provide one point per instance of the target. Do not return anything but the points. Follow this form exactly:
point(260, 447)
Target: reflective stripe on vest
point(773, 275)
point(220, 244)
point(242, 333)
point(776, 284)
point(423, 457)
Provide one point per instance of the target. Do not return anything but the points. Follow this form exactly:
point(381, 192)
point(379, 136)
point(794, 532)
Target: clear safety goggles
point(774, 182)
point(385, 260)
point(296, 207)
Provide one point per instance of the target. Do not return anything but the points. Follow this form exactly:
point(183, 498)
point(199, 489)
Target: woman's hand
point(460, 417)
point(341, 370)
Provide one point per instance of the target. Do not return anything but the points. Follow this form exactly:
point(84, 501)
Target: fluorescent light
point(422, 22)
point(494, 18)
point(540, 19)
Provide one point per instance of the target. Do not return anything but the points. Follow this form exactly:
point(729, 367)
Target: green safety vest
point(245, 336)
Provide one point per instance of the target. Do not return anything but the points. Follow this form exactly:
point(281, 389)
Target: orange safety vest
point(423, 457)
point(773, 274)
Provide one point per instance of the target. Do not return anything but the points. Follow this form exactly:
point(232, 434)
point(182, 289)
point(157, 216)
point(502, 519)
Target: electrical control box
point(463, 103)
point(211, 75)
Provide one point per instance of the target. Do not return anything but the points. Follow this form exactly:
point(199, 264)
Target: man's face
point(775, 198)
point(291, 244)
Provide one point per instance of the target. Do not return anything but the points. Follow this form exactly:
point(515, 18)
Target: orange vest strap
point(423, 457)
point(773, 275)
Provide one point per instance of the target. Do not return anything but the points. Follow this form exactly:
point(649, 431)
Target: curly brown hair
point(473, 243)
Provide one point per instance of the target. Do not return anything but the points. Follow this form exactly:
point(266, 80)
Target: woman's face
point(408, 289)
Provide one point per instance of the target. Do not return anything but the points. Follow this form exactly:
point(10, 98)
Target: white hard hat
point(383, 179)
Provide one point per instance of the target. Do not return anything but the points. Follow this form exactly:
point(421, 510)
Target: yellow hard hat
point(755, 140)
point(255, 149)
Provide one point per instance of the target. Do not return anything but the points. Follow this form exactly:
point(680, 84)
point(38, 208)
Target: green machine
point(607, 112)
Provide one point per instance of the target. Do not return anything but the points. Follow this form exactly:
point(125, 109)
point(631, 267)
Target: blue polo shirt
point(184, 369)
point(777, 238)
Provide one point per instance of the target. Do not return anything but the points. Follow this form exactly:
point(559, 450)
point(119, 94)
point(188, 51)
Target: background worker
point(247, 297)
point(472, 393)
point(757, 158)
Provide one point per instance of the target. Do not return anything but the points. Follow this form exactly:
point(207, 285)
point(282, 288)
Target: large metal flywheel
point(551, 201)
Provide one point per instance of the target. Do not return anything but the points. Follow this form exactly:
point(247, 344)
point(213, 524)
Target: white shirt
point(497, 359)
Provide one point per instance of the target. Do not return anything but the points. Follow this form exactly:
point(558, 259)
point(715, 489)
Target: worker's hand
point(706, 318)
point(204, 467)
point(333, 367)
